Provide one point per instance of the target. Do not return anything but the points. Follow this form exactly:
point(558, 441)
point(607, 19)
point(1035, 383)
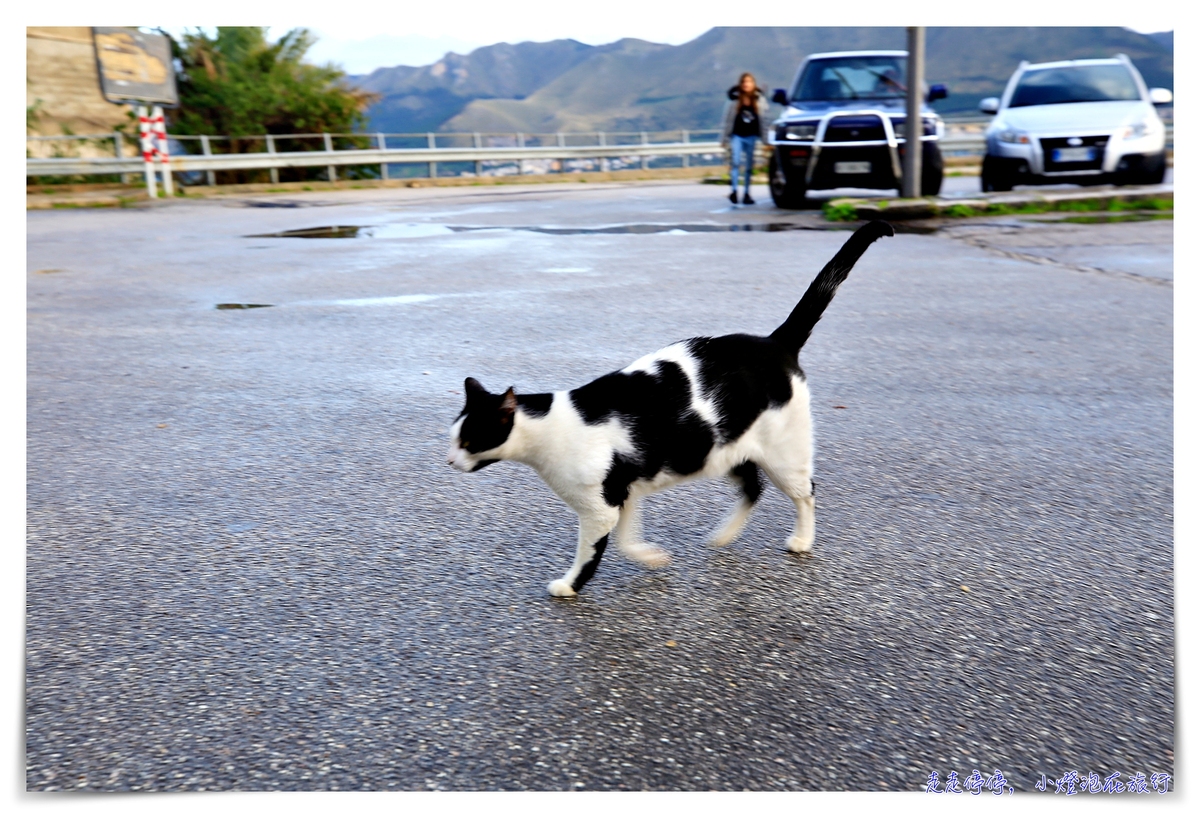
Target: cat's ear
point(474, 387)
point(508, 404)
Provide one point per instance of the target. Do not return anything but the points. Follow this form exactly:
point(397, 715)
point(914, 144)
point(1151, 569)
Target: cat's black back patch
point(743, 375)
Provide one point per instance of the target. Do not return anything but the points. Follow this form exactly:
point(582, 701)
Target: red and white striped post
point(153, 133)
point(164, 152)
point(146, 138)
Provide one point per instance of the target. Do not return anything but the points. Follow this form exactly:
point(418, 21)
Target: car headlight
point(1014, 137)
point(803, 131)
point(1137, 130)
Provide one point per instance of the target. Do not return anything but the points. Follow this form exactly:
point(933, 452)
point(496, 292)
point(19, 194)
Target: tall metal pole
point(914, 127)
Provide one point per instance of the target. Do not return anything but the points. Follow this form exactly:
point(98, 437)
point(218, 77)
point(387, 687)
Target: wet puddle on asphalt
point(336, 231)
point(377, 301)
point(412, 231)
point(381, 301)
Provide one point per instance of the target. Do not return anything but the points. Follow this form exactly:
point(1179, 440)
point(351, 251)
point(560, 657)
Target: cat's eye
point(463, 444)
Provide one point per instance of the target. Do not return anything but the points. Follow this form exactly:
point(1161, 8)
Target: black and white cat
point(703, 407)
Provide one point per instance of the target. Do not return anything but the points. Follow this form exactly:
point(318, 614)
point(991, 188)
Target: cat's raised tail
point(793, 332)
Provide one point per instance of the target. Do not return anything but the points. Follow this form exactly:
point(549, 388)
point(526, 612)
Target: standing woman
point(745, 122)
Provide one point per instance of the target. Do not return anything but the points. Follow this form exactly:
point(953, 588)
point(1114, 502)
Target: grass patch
point(1098, 205)
point(839, 212)
point(1143, 204)
point(78, 205)
point(1072, 206)
point(1008, 210)
point(959, 211)
point(844, 211)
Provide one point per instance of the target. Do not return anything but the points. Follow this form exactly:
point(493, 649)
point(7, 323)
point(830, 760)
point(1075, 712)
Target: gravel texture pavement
point(249, 566)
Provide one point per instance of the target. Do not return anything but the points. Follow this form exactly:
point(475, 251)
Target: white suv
point(1077, 121)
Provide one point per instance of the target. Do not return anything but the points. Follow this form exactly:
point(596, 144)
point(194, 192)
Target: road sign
point(134, 66)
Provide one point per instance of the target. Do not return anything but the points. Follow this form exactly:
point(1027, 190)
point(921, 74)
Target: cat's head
point(482, 427)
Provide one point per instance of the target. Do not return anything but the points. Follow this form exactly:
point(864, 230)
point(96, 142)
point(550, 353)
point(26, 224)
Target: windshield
point(852, 78)
point(1076, 83)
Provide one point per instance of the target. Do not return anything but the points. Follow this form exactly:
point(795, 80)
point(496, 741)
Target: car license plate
point(851, 167)
point(1073, 155)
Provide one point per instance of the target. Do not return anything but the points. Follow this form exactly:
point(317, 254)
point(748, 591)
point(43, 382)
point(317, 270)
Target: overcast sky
point(419, 32)
point(361, 56)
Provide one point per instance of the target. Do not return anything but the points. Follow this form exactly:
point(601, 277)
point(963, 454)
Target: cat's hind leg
point(629, 536)
point(797, 484)
point(746, 477)
point(595, 523)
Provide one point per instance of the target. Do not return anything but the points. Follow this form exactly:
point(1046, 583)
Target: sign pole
point(914, 128)
point(136, 69)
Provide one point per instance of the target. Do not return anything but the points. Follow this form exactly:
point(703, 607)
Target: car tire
point(1141, 169)
point(1155, 169)
point(932, 169)
point(786, 194)
point(994, 178)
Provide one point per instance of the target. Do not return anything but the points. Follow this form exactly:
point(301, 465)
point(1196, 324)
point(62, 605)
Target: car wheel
point(992, 178)
point(1156, 169)
point(1141, 170)
point(785, 194)
point(932, 169)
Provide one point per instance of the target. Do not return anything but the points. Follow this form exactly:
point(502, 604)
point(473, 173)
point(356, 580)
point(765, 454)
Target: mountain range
point(634, 85)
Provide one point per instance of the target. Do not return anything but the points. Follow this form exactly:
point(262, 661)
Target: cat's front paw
point(560, 588)
point(724, 537)
point(799, 545)
point(649, 555)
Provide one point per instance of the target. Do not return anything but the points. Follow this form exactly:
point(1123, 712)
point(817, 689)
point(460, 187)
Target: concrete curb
point(992, 203)
point(81, 196)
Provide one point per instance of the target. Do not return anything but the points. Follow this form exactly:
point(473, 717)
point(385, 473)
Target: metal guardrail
point(644, 149)
point(330, 158)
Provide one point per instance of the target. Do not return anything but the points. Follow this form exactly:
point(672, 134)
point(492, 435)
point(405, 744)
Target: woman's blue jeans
point(741, 153)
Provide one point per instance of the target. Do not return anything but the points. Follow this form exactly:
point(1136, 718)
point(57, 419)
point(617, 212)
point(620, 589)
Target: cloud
point(385, 50)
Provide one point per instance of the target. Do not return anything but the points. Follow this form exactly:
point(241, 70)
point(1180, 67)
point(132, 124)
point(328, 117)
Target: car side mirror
point(1161, 96)
point(937, 92)
point(780, 96)
point(989, 105)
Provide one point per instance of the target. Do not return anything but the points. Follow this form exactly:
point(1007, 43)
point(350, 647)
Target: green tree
point(239, 84)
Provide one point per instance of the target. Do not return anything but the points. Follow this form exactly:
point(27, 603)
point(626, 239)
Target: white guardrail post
point(271, 149)
point(330, 169)
point(381, 140)
point(209, 176)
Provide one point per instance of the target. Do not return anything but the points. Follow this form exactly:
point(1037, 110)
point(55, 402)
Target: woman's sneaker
point(733, 197)
point(746, 199)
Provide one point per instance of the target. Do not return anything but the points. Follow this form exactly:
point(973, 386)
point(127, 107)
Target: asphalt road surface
point(249, 566)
